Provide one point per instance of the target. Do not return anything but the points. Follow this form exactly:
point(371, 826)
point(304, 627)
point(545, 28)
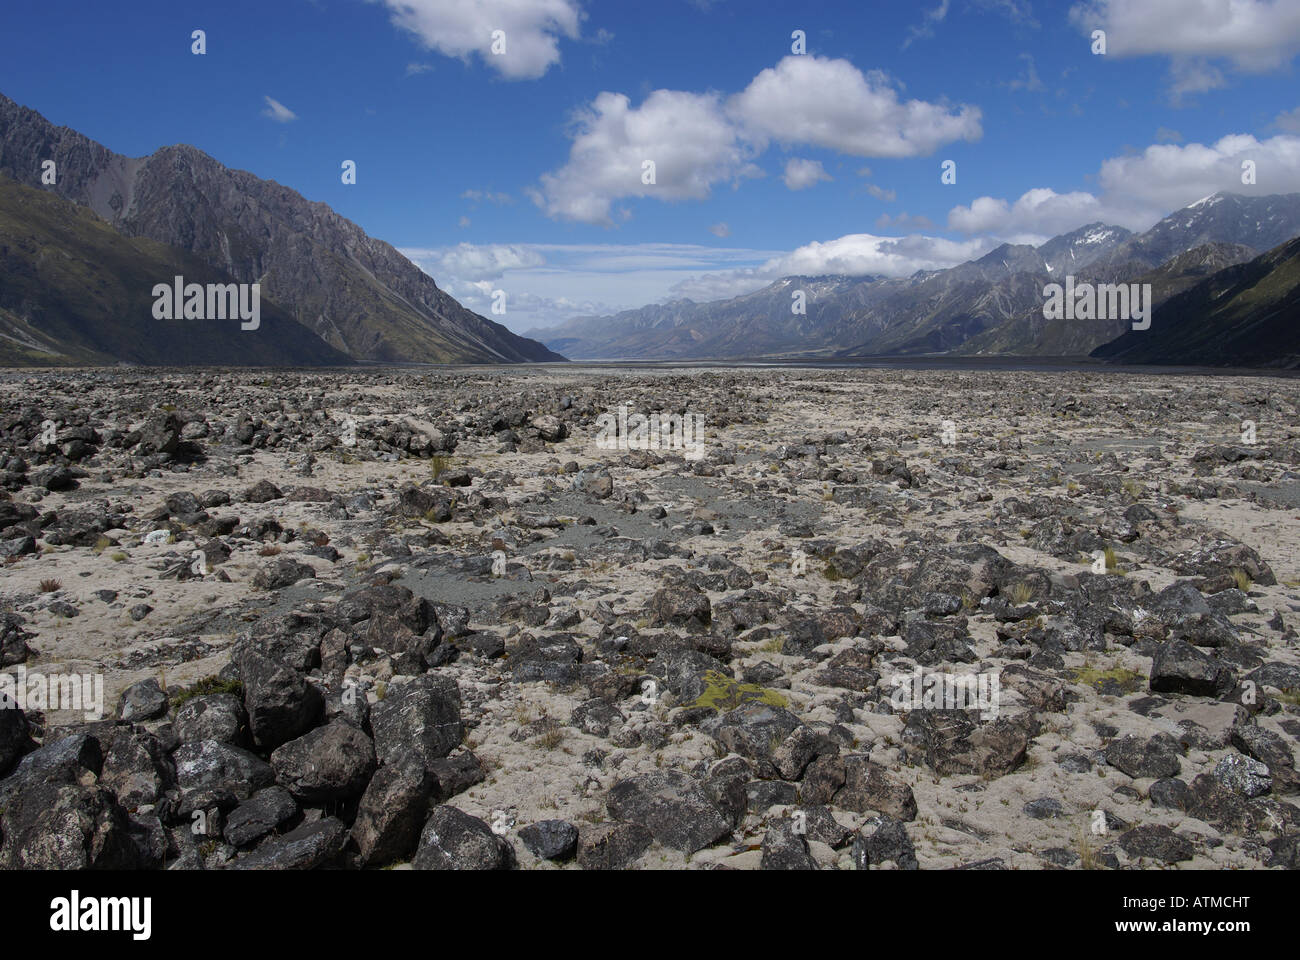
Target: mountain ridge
point(353, 291)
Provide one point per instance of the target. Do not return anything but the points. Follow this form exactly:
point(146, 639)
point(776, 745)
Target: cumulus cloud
point(1038, 211)
point(685, 135)
point(800, 174)
point(1137, 190)
point(277, 111)
point(1168, 176)
point(720, 230)
point(880, 193)
point(698, 141)
point(832, 104)
point(860, 254)
point(532, 29)
point(1252, 35)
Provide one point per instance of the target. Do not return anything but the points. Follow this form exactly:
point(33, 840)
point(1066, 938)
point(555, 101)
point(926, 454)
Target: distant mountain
point(73, 290)
point(989, 306)
point(1030, 334)
point(357, 294)
point(1247, 315)
point(1260, 223)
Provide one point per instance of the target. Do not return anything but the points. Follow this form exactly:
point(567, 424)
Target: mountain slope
point(989, 306)
point(356, 293)
point(1246, 315)
point(73, 290)
point(1029, 334)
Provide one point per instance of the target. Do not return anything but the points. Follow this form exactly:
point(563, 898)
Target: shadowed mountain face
point(356, 293)
point(1247, 315)
point(76, 291)
point(989, 306)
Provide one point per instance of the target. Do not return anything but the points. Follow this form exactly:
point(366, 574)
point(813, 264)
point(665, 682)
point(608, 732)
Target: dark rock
point(550, 839)
point(208, 765)
point(675, 808)
point(262, 492)
point(882, 840)
point(330, 763)
point(391, 814)
point(214, 716)
point(680, 606)
point(419, 721)
point(1157, 757)
point(785, 848)
point(280, 573)
point(259, 815)
point(954, 743)
point(66, 826)
point(1178, 667)
point(453, 840)
point(308, 847)
point(1156, 842)
point(136, 769)
point(754, 730)
point(143, 700)
point(280, 703)
point(612, 846)
point(867, 786)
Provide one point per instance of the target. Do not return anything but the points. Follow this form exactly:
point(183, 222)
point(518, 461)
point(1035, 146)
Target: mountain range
point(989, 306)
point(349, 296)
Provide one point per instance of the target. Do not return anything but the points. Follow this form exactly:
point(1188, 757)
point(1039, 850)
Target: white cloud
point(685, 135)
point(720, 230)
point(880, 193)
point(698, 140)
point(800, 174)
point(1169, 176)
point(458, 28)
point(1038, 211)
point(1254, 35)
point(468, 261)
point(832, 104)
point(863, 253)
point(1137, 190)
point(277, 111)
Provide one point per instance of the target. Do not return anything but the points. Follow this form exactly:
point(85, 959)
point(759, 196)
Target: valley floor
point(421, 618)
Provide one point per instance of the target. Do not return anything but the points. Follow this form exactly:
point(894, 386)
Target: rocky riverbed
point(409, 618)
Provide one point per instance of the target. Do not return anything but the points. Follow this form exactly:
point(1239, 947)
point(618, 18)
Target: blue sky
point(522, 171)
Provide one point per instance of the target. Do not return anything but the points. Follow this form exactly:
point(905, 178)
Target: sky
point(503, 145)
